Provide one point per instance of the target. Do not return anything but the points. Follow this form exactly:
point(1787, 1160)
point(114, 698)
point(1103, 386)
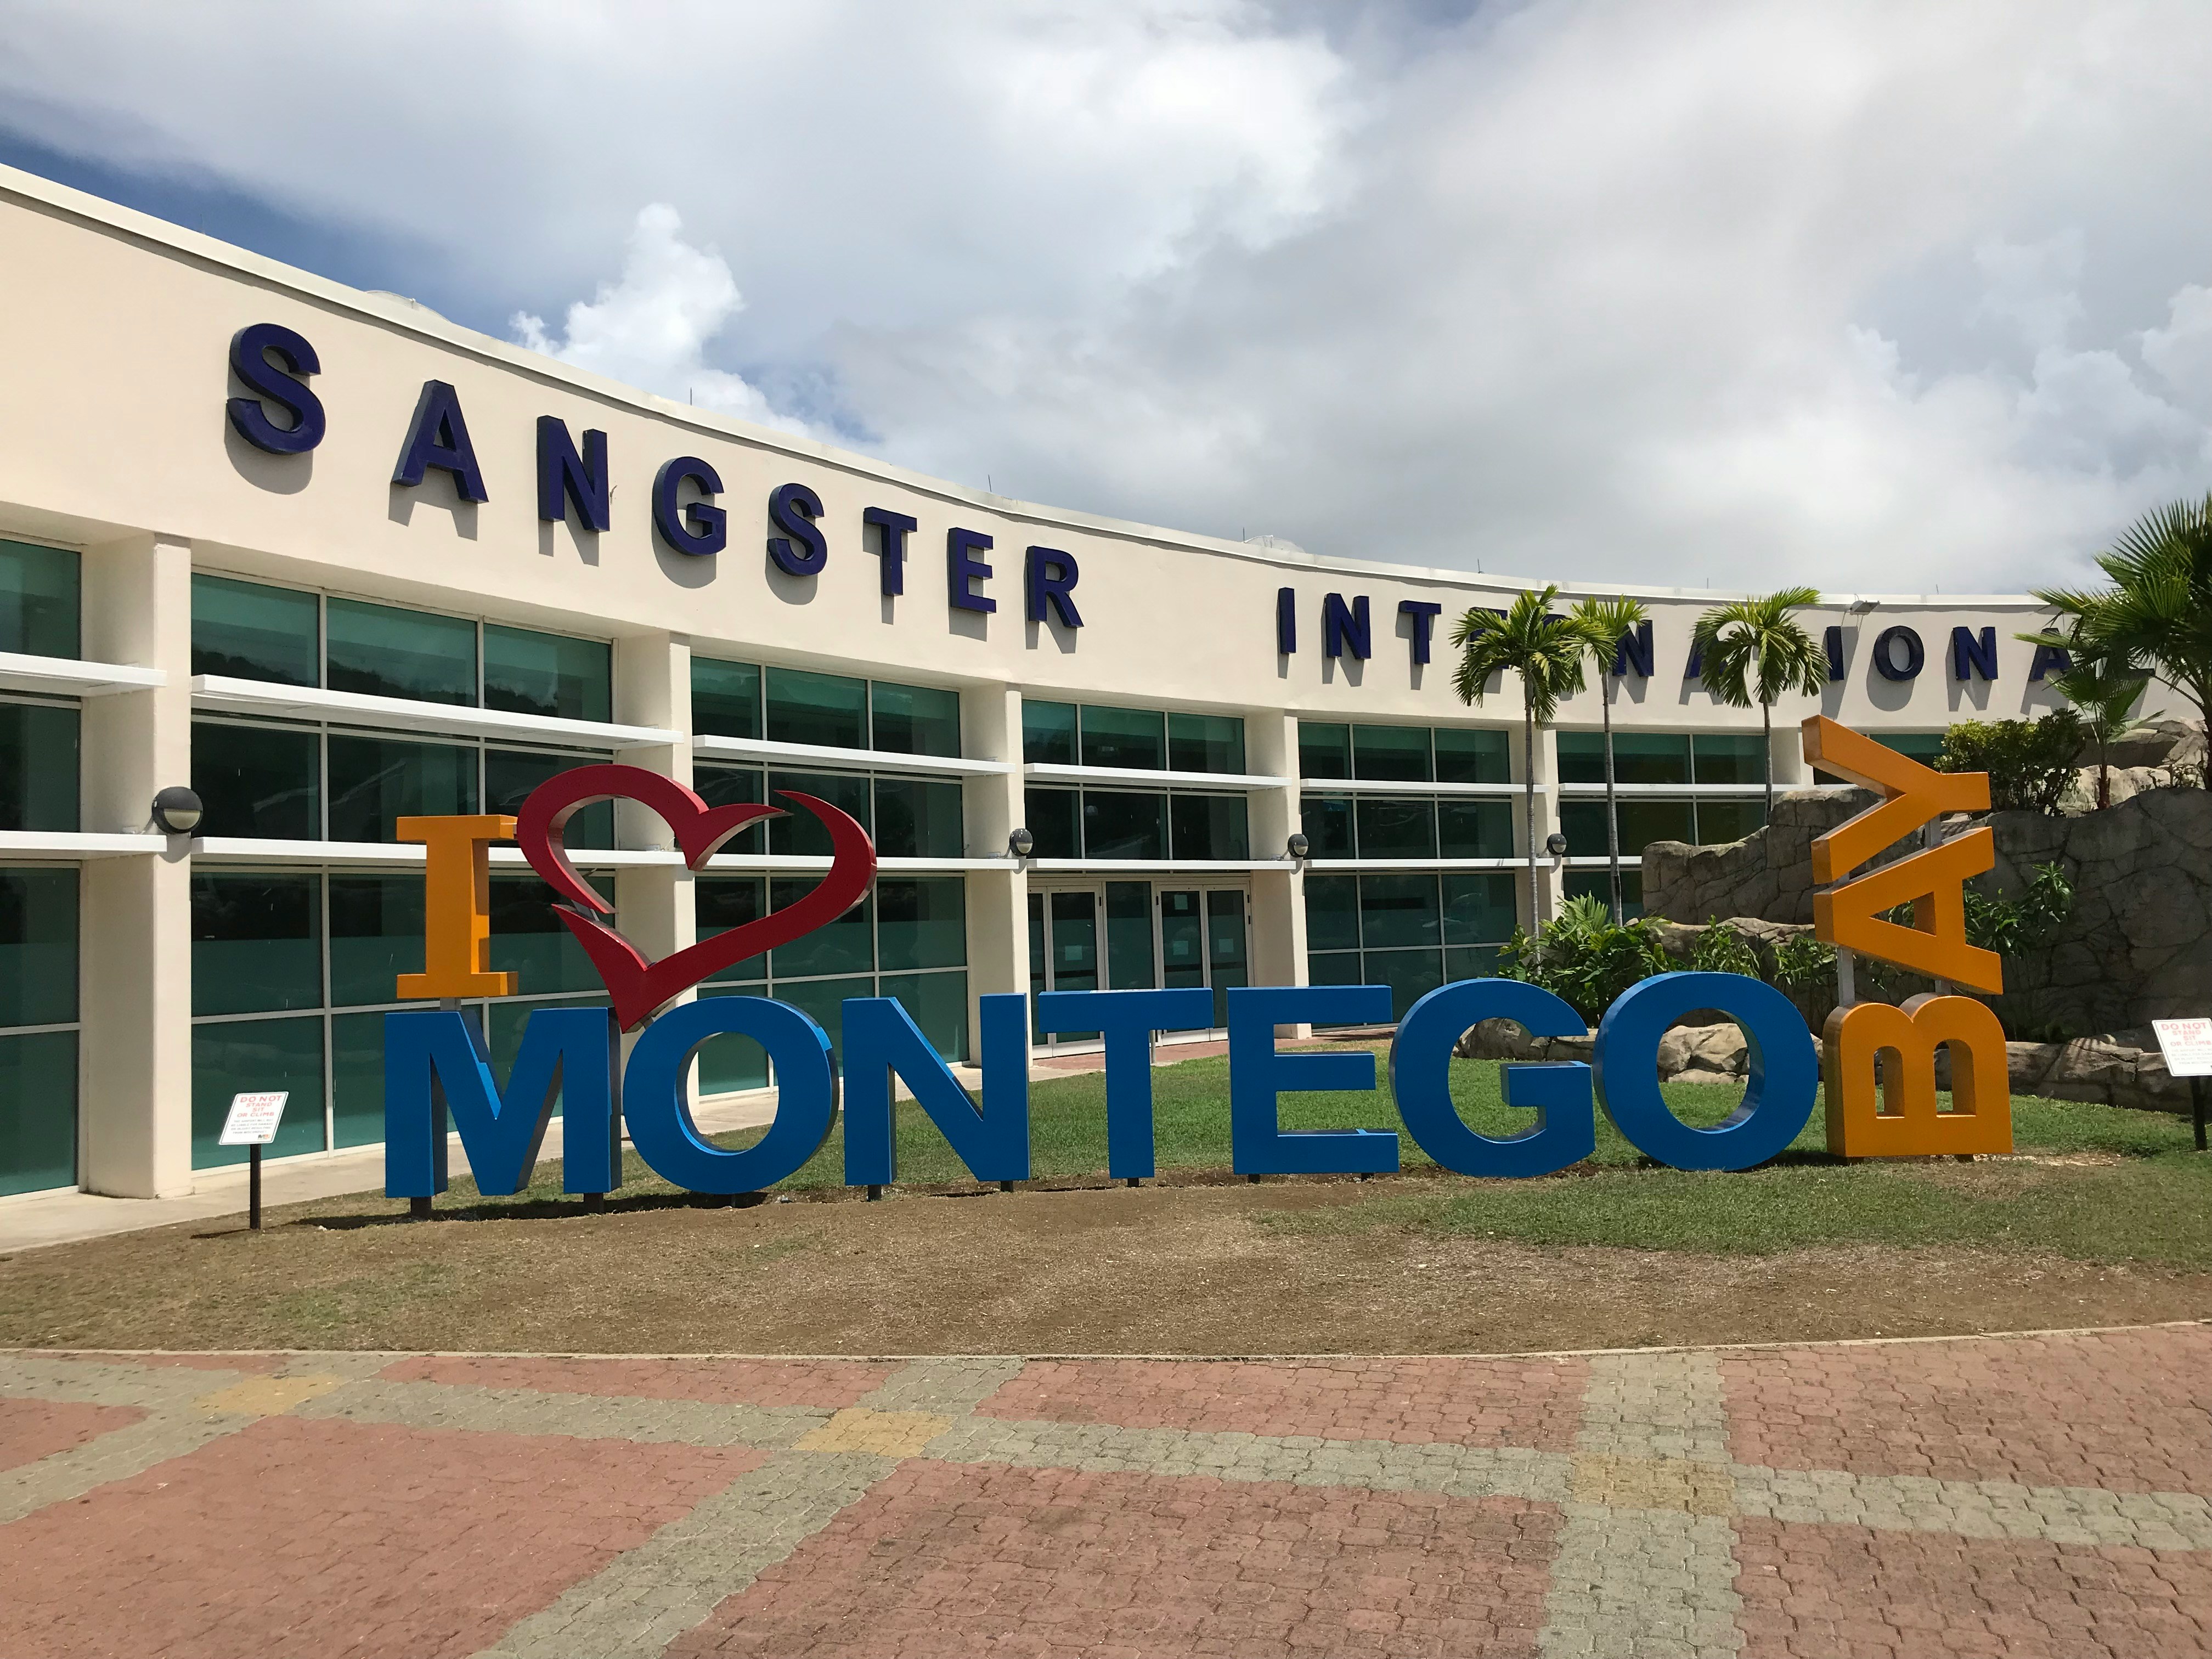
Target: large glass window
point(1056, 820)
point(913, 929)
point(918, 818)
point(1468, 754)
point(922, 923)
point(1638, 757)
point(376, 935)
point(725, 698)
point(1393, 829)
point(511, 774)
point(1720, 822)
point(38, 1068)
point(257, 942)
point(914, 719)
point(251, 631)
point(1135, 738)
point(846, 946)
point(527, 939)
point(38, 945)
point(732, 786)
point(799, 834)
point(1121, 824)
point(1327, 821)
point(828, 710)
point(1409, 931)
point(547, 674)
point(1206, 743)
point(1324, 751)
point(1048, 733)
point(38, 599)
point(1209, 826)
point(1391, 752)
point(1729, 759)
point(258, 782)
point(37, 1111)
point(377, 781)
point(386, 652)
point(39, 766)
point(1474, 829)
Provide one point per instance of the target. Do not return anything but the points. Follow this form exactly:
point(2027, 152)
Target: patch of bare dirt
point(1178, 1269)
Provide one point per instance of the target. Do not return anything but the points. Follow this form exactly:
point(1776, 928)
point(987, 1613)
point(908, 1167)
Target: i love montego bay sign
point(438, 1073)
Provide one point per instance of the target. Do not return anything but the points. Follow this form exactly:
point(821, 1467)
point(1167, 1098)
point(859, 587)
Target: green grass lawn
point(2129, 1187)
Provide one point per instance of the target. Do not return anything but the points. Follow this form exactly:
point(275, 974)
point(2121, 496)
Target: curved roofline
point(411, 316)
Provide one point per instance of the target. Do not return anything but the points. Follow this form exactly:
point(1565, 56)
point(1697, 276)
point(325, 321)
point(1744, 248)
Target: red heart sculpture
point(637, 986)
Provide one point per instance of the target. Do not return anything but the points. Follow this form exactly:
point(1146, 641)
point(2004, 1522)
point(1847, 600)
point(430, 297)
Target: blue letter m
point(434, 1062)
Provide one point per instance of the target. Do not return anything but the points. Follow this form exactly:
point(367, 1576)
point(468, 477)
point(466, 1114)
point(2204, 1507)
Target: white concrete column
point(991, 808)
point(653, 687)
point(1785, 757)
point(1279, 902)
point(135, 1069)
point(1550, 882)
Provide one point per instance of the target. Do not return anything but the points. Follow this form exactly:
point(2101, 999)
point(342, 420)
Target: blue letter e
point(1258, 1144)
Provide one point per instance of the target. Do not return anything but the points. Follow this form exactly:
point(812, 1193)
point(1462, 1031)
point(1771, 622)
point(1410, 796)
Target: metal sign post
point(253, 1123)
point(2187, 1046)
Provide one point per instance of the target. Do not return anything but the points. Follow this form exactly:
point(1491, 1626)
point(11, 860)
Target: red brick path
point(2023, 1496)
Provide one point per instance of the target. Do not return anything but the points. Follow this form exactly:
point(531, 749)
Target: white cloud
point(652, 328)
point(1876, 296)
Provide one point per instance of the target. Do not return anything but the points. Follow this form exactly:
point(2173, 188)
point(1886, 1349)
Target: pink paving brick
point(830, 1383)
point(945, 1560)
point(1471, 1402)
point(296, 1537)
point(1812, 1592)
point(2126, 1410)
point(32, 1429)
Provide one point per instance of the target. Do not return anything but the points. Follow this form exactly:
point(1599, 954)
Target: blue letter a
point(434, 1062)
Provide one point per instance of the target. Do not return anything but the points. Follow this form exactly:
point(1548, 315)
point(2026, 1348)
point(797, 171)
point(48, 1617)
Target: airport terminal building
point(329, 560)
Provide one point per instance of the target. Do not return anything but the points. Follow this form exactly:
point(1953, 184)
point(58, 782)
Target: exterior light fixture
point(1556, 845)
point(1299, 847)
point(177, 810)
point(1021, 843)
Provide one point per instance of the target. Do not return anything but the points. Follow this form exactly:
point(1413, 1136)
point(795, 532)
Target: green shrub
point(1721, 950)
point(1583, 957)
point(2016, 926)
point(2030, 763)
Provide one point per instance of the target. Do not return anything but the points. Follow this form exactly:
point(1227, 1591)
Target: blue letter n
point(434, 1063)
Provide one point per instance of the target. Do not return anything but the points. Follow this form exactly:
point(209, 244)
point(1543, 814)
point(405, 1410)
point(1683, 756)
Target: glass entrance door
point(1130, 936)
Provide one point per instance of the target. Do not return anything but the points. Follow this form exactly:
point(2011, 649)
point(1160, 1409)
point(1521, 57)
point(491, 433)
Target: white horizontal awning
point(73, 676)
point(220, 694)
point(815, 754)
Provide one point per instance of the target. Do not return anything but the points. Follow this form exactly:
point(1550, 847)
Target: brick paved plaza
point(2027, 1496)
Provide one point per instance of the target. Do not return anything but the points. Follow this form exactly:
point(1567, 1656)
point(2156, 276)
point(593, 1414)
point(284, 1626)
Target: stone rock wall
point(2137, 946)
point(1768, 875)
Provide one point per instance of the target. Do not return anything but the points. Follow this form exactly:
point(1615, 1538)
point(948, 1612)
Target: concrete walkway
point(2042, 1495)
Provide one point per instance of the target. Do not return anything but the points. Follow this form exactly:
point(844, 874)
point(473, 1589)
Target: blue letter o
point(1777, 1099)
point(660, 1125)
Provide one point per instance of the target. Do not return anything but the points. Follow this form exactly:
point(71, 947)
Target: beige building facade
point(415, 612)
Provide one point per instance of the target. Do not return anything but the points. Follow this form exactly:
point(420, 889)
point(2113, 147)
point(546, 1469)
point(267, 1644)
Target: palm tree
point(2103, 696)
point(1610, 622)
point(1546, 651)
point(2156, 617)
point(1755, 650)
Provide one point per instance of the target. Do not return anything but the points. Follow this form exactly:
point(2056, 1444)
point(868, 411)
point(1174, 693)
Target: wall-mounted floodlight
point(177, 810)
point(1021, 843)
point(1556, 845)
point(1299, 847)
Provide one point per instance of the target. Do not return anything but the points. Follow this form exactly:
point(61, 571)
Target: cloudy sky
point(1876, 296)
